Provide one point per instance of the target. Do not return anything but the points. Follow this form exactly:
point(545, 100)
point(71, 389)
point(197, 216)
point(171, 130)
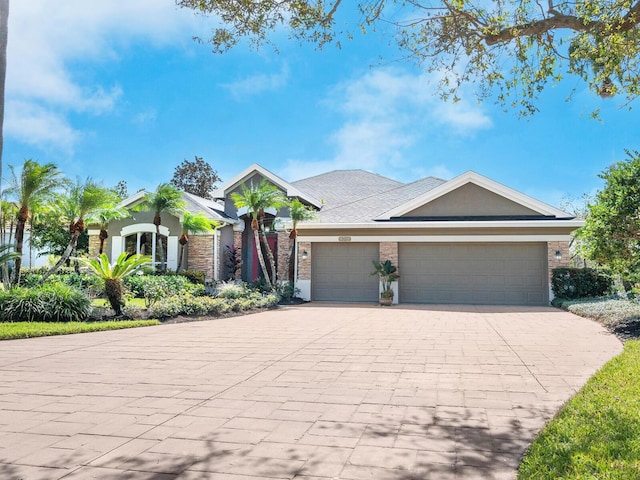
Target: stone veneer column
point(552, 262)
point(200, 254)
point(304, 266)
point(284, 250)
point(389, 251)
point(94, 245)
point(237, 243)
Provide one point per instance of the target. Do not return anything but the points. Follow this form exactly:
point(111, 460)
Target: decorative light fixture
point(558, 255)
point(304, 254)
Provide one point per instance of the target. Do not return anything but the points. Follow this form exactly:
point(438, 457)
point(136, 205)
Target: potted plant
point(386, 271)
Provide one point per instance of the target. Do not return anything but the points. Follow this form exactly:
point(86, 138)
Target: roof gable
point(486, 197)
point(285, 186)
point(193, 204)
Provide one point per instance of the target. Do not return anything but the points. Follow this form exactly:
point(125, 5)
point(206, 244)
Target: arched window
point(145, 243)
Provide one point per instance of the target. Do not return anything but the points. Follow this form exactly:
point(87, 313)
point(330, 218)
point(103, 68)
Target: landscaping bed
point(620, 316)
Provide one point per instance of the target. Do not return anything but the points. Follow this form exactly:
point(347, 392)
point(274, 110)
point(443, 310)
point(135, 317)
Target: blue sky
point(120, 91)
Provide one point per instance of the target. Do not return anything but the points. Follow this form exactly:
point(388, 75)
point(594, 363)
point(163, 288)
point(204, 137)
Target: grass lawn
point(597, 434)
point(10, 331)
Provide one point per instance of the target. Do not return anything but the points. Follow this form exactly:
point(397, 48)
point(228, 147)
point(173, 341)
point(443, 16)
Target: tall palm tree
point(166, 199)
point(6, 256)
point(193, 223)
point(103, 217)
point(256, 199)
point(8, 214)
point(299, 212)
point(4, 33)
point(79, 201)
point(34, 183)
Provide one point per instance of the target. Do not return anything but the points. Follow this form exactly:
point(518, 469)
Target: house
point(467, 240)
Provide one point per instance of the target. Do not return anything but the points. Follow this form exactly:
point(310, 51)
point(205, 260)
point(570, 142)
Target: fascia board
point(290, 190)
point(573, 223)
point(481, 181)
point(132, 199)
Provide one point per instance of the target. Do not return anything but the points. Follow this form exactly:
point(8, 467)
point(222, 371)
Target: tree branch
point(559, 21)
point(538, 27)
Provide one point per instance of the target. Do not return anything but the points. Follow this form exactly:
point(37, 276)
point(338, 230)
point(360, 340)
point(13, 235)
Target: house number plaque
point(344, 239)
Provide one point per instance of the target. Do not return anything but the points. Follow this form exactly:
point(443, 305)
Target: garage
point(473, 273)
point(341, 272)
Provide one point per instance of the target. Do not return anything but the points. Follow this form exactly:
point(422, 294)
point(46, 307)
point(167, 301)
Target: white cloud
point(386, 113)
point(38, 126)
point(259, 83)
point(47, 36)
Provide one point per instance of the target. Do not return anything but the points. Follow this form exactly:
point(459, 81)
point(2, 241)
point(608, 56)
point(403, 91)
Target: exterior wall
point(94, 245)
point(237, 243)
point(284, 251)
point(304, 266)
point(389, 251)
point(471, 199)
point(303, 270)
point(552, 262)
point(200, 255)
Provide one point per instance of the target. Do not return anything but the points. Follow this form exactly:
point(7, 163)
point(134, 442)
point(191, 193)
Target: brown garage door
point(473, 273)
point(341, 272)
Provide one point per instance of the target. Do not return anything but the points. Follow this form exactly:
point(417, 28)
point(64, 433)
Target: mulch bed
point(627, 331)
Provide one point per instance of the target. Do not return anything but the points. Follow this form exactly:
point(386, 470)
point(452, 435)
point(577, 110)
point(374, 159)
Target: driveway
point(309, 392)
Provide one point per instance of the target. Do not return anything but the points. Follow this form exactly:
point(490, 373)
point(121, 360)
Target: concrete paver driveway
point(309, 392)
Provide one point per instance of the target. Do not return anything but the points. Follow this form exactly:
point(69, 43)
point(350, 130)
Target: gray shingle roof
point(355, 196)
point(212, 209)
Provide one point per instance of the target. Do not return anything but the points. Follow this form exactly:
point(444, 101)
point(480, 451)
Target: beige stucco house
point(467, 240)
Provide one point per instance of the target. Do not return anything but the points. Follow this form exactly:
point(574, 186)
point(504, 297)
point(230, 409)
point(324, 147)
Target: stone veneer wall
point(94, 245)
point(200, 254)
point(284, 250)
point(552, 248)
point(389, 251)
point(304, 266)
point(237, 243)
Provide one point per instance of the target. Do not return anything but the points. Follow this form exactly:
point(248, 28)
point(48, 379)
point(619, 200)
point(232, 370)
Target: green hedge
point(53, 302)
point(580, 283)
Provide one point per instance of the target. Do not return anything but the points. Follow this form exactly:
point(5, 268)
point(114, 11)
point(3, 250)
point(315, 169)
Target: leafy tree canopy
point(611, 235)
point(197, 177)
point(512, 47)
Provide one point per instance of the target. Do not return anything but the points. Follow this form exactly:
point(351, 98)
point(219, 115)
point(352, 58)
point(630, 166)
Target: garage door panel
point(513, 274)
point(341, 272)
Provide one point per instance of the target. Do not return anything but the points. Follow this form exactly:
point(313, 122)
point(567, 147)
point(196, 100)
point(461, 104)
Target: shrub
point(93, 285)
point(580, 283)
point(54, 302)
point(169, 284)
point(194, 276)
point(231, 290)
point(192, 305)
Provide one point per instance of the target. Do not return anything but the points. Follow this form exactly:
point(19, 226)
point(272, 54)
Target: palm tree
point(8, 214)
point(35, 183)
point(4, 22)
point(103, 217)
point(256, 199)
point(299, 212)
point(166, 199)
point(193, 223)
point(7, 255)
point(80, 201)
point(112, 275)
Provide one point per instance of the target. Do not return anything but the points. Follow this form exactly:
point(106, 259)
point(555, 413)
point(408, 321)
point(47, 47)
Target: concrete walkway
point(310, 392)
